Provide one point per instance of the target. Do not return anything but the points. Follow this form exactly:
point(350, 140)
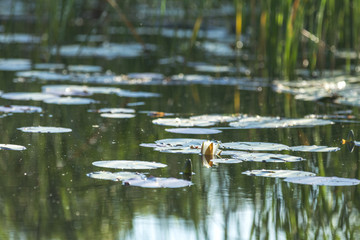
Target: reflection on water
point(45, 190)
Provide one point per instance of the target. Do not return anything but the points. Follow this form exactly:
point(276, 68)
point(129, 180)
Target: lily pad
point(276, 122)
point(27, 96)
point(69, 101)
point(20, 109)
point(12, 147)
point(134, 104)
point(66, 90)
point(49, 66)
point(180, 142)
point(132, 94)
point(226, 160)
point(22, 38)
point(117, 115)
point(117, 176)
point(216, 118)
point(115, 110)
point(42, 129)
point(84, 68)
point(15, 64)
point(106, 50)
point(42, 75)
point(128, 164)
point(254, 146)
point(314, 148)
point(278, 173)
point(264, 157)
point(185, 150)
point(193, 130)
point(323, 181)
point(155, 182)
point(182, 122)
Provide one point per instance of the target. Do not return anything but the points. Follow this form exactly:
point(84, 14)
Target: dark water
point(45, 193)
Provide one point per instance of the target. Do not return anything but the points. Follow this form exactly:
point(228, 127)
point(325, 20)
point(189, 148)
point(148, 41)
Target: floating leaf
point(49, 66)
point(69, 101)
point(27, 96)
point(323, 181)
point(131, 94)
point(117, 115)
point(193, 130)
point(12, 147)
point(117, 176)
point(254, 146)
point(106, 50)
point(78, 90)
point(215, 118)
point(128, 164)
point(263, 157)
point(155, 182)
point(276, 122)
point(115, 110)
point(180, 142)
point(146, 76)
point(314, 148)
point(184, 150)
point(41, 129)
point(134, 104)
point(278, 173)
point(15, 64)
point(46, 76)
point(84, 68)
point(182, 122)
point(20, 109)
point(18, 38)
point(226, 160)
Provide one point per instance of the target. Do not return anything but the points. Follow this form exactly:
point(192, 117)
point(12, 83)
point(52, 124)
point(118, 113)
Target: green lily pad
point(84, 68)
point(42, 129)
point(180, 142)
point(278, 173)
point(193, 130)
point(117, 176)
point(254, 146)
point(156, 182)
point(314, 148)
point(323, 181)
point(128, 164)
point(12, 147)
point(115, 110)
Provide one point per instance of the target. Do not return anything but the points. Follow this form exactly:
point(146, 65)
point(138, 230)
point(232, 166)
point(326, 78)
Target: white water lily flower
point(209, 148)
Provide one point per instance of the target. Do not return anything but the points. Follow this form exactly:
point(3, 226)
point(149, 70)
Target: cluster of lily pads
point(215, 152)
point(344, 90)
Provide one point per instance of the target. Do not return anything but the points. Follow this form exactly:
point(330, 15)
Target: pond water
point(115, 101)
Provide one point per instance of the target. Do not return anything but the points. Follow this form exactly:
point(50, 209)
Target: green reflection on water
point(45, 193)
